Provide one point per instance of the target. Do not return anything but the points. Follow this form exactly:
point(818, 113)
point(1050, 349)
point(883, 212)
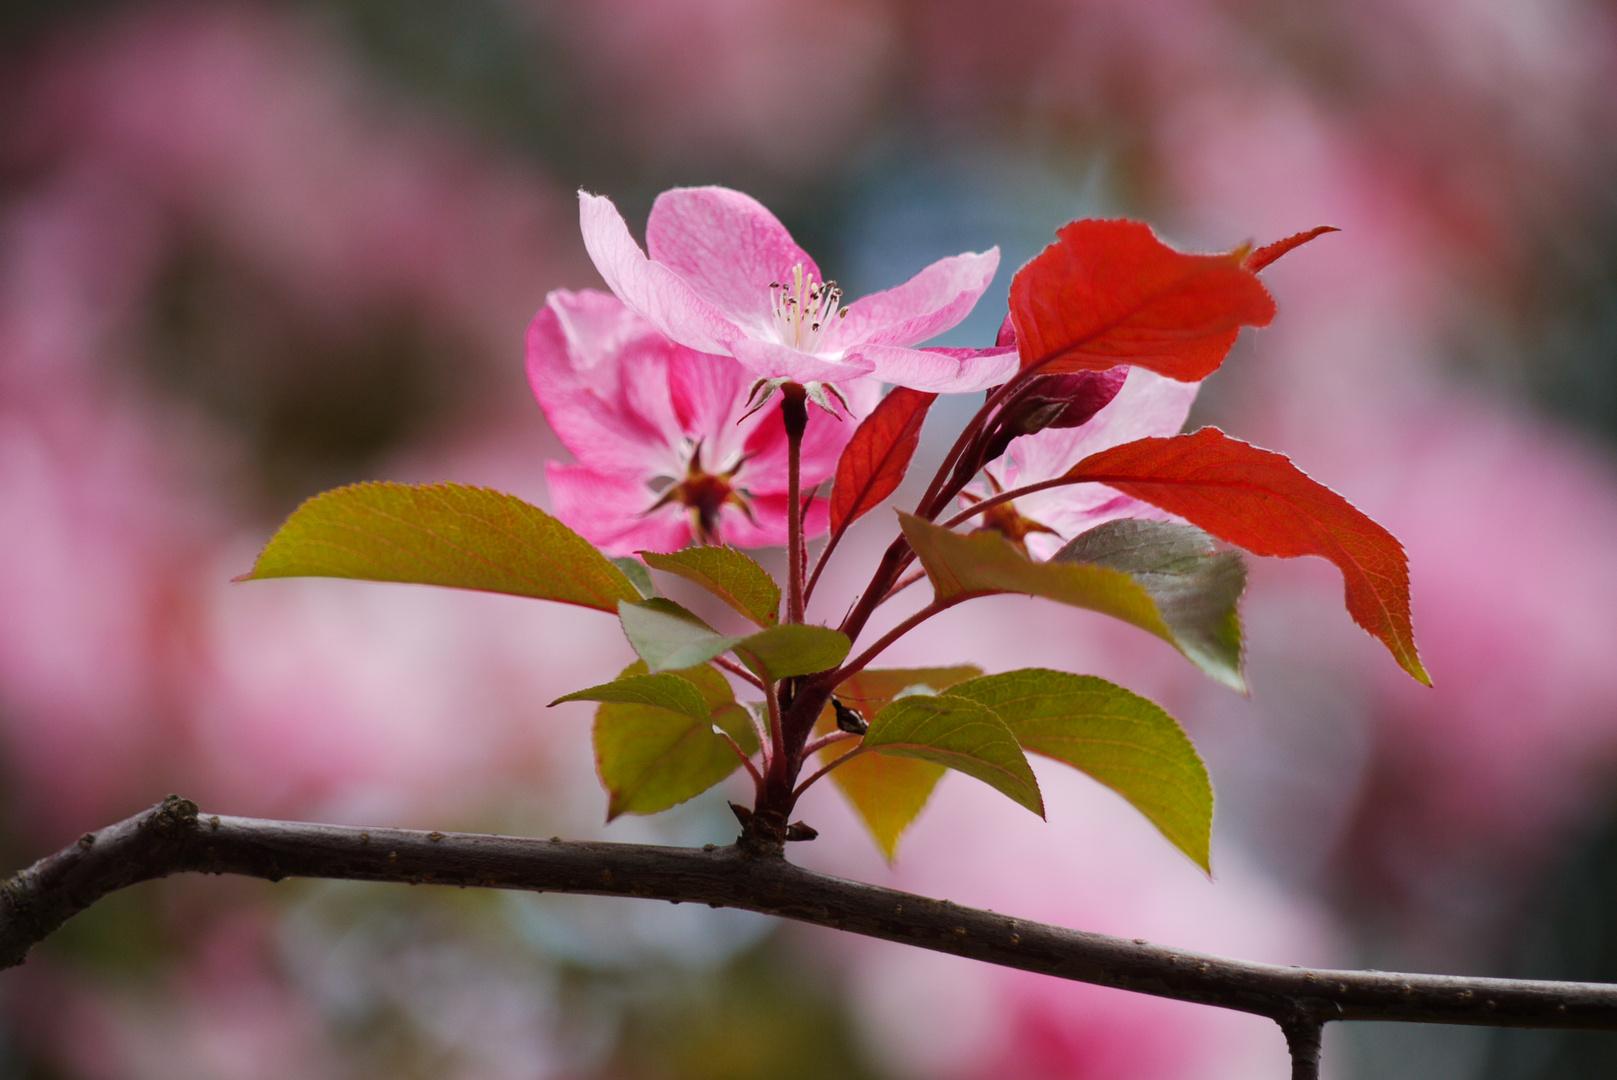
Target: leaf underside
point(985, 563)
point(1195, 586)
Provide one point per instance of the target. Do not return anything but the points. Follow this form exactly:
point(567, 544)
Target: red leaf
point(1109, 292)
point(1270, 252)
point(874, 461)
point(1259, 500)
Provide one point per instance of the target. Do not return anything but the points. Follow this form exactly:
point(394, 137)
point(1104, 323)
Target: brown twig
point(174, 838)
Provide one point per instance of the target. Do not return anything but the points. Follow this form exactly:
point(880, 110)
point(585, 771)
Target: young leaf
point(1259, 500)
point(870, 690)
point(1109, 292)
point(1119, 738)
point(781, 652)
point(886, 792)
point(959, 734)
point(668, 637)
point(985, 563)
point(636, 572)
point(654, 739)
point(1267, 254)
point(727, 574)
point(877, 456)
point(442, 534)
point(1195, 586)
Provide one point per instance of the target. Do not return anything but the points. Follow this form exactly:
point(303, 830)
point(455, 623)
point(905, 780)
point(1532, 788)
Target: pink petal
point(609, 511)
point(942, 371)
point(650, 289)
point(923, 307)
point(771, 360)
point(728, 248)
point(770, 530)
point(703, 389)
point(1149, 404)
point(574, 369)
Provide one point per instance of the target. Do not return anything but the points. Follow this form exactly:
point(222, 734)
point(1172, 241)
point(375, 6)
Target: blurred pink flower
point(724, 276)
point(665, 453)
point(1147, 404)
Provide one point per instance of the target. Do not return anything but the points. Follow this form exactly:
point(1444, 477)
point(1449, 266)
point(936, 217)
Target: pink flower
point(664, 453)
point(1147, 404)
point(724, 276)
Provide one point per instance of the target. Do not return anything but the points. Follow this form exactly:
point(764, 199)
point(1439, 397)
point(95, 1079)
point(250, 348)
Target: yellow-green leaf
point(1121, 739)
point(981, 564)
point(960, 734)
point(726, 573)
point(886, 792)
point(655, 745)
point(1196, 587)
point(442, 534)
point(781, 652)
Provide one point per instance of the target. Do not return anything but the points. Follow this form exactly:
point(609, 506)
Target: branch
point(174, 838)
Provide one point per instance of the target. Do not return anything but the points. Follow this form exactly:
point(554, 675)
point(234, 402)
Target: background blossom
point(249, 251)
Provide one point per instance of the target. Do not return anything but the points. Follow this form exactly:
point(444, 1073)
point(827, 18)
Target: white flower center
point(805, 309)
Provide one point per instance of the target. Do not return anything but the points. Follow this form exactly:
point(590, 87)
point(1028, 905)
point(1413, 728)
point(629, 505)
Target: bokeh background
point(252, 250)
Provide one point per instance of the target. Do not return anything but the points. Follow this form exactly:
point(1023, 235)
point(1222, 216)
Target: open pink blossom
point(664, 455)
point(1147, 404)
point(724, 276)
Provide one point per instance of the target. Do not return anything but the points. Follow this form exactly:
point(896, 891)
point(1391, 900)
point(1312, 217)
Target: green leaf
point(1195, 586)
point(781, 652)
point(442, 534)
point(638, 576)
point(665, 691)
point(869, 691)
point(886, 792)
point(1126, 742)
point(655, 745)
point(985, 563)
point(727, 574)
point(960, 734)
point(668, 637)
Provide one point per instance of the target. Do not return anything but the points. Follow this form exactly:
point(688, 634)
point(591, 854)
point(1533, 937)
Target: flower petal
point(708, 394)
point(939, 371)
point(610, 511)
point(728, 248)
point(770, 530)
point(575, 346)
point(650, 289)
point(923, 307)
point(1149, 404)
point(771, 360)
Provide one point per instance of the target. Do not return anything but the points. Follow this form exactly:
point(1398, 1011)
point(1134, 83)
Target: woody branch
point(173, 837)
